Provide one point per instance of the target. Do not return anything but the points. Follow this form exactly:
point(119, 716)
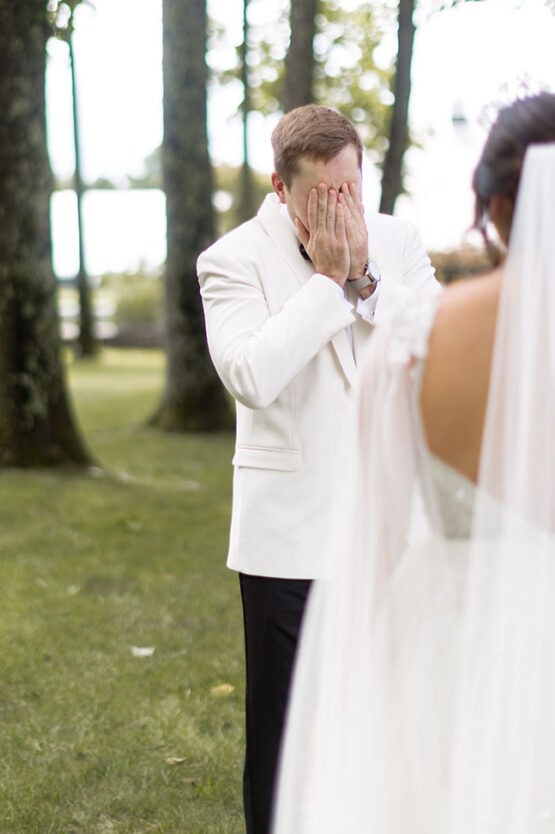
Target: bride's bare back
point(456, 377)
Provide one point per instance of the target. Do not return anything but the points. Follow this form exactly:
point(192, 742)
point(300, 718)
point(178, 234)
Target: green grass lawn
point(96, 736)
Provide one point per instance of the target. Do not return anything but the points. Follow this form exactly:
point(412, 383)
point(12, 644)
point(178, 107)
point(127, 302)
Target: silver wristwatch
point(370, 278)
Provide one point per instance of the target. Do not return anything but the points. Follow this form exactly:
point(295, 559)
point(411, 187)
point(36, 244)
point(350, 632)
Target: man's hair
point(311, 132)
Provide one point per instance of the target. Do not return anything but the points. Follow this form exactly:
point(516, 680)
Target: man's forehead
point(334, 172)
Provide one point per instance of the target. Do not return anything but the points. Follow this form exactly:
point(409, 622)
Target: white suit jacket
point(276, 334)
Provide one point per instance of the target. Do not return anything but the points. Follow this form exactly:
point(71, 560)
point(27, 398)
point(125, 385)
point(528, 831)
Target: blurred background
point(121, 658)
point(466, 59)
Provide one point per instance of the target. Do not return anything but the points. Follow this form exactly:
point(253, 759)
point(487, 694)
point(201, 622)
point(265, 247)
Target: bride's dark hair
point(526, 121)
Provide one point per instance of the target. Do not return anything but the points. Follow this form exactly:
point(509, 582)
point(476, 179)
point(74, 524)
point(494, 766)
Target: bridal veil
point(424, 692)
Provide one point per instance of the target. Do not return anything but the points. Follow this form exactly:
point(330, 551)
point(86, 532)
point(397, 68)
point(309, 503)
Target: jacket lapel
point(344, 353)
point(284, 238)
point(287, 243)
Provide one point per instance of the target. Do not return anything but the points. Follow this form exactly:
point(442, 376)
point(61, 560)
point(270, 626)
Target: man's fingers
point(347, 216)
point(312, 210)
point(355, 194)
point(322, 204)
point(352, 198)
point(355, 228)
point(340, 222)
point(330, 216)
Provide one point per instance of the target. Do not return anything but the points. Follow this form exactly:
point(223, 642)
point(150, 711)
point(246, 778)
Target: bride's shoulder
point(455, 381)
point(444, 324)
point(466, 311)
point(461, 338)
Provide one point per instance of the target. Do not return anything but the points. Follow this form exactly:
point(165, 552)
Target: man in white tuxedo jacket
point(290, 299)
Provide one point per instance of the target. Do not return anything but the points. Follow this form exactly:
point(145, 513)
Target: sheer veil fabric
point(424, 692)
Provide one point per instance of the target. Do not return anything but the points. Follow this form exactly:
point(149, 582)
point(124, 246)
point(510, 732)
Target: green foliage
point(103, 183)
point(464, 262)
point(152, 173)
point(60, 15)
point(268, 40)
point(227, 182)
point(349, 75)
point(95, 739)
point(138, 298)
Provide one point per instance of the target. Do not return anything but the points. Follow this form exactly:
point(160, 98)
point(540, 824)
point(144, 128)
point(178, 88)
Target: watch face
point(373, 271)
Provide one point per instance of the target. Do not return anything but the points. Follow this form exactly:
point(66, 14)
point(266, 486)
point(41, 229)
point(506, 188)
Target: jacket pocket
point(264, 457)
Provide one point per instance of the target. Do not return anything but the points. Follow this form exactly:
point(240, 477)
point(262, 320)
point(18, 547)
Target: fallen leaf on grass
point(173, 760)
point(126, 477)
point(142, 651)
point(189, 486)
point(224, 690)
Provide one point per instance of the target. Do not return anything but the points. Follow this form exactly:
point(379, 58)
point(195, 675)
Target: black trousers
point(272, 613)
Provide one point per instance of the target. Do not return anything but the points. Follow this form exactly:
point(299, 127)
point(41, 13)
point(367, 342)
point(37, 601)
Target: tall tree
point(308, 50)
point(86, 339)
point(194, 398)
point(398, 132)
point(298, 84)
point(36, 423)
point(247, 199)
point(348, 75)
point(317, 50)
point(392, 177)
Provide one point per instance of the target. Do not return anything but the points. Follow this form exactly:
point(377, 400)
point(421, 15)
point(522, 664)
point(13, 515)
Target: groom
point(290, 299)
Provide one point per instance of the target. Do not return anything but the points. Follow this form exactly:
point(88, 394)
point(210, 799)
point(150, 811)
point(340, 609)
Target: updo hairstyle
point(526, 121)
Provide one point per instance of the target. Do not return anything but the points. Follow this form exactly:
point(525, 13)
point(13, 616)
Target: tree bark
point(392, 177)
point(247, 204)
point(299, 61)
point(86, 340)
point(36, 423)
point(194, 398)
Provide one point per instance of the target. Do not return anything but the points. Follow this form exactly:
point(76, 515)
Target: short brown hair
point(314, 132)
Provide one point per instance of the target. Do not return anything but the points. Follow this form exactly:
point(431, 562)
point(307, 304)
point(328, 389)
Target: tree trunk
point(86, 341)
point(194, 399)
point(299, 61)
point(247, 207)
point(36, 424)
point(392, 178)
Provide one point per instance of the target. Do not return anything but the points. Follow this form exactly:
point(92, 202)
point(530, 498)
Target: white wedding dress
point(424, 693)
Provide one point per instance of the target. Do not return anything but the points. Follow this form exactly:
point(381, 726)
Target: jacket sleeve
point(417, 276)
point(257, 354)
point(418, 272)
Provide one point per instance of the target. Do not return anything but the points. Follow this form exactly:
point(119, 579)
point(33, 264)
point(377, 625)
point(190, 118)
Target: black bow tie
point(303, 252)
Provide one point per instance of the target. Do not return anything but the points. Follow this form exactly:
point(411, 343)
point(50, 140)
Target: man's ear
point(279, 187)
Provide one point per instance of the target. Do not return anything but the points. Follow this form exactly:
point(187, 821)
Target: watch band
point(360, 283)
point(370, 278)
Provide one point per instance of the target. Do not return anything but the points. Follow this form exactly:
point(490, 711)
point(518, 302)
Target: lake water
point(124, 231)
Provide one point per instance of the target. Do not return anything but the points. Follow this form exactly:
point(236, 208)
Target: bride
point(424, 693)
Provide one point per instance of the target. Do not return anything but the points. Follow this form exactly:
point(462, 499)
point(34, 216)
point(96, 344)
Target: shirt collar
point(284, 211)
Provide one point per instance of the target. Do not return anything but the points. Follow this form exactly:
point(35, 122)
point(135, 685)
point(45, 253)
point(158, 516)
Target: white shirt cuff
point(338, 289)
point(366, 307)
